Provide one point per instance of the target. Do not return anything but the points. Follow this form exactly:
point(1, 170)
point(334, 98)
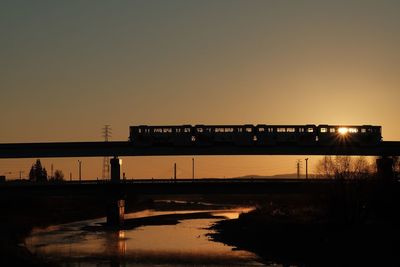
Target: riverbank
point(304, 238)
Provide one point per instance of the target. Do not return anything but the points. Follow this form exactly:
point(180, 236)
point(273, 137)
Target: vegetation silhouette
point(58, 176)
point(38, 173)
point(353, 222)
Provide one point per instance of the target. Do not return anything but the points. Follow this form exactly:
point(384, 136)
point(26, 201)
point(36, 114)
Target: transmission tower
point(106, 133)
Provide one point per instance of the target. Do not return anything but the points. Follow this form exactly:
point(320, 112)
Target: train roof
point(257, 125)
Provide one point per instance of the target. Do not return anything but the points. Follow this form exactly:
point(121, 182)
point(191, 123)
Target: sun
point(343, 130)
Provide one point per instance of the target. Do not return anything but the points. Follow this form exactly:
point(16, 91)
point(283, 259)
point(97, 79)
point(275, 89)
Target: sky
point(70, 67)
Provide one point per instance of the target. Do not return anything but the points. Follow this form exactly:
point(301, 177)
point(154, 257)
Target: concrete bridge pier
point(384, 167)
point(116, 202)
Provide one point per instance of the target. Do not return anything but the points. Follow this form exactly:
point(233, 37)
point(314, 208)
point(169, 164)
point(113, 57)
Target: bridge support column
point(116, 203)
point(115, 169)
point(384, 167)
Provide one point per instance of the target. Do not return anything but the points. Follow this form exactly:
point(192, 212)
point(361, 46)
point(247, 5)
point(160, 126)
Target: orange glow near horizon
point(68, 71)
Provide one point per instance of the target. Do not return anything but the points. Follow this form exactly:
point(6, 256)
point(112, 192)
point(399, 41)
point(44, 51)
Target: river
point(183, 244)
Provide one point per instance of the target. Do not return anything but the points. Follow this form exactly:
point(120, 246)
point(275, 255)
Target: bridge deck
point(120, 148)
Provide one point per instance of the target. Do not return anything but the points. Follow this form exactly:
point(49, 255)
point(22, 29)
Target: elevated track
point(125, 148)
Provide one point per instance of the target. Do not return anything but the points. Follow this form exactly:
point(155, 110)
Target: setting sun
point(343, 130)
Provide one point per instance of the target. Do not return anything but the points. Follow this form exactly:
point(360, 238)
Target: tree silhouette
point(37, 172)
point(349, 198)
point(396, 165)
point(344, 167)
point(58, 176)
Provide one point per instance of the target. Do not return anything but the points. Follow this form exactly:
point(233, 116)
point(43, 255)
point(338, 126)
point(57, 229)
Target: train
point(255, 135)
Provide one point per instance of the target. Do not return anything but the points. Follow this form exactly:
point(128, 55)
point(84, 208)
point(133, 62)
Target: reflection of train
point(247, 135)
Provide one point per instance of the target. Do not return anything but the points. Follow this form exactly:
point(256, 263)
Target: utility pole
point(306, 168)
point(298, 168)
point(193, 169)
point(106, 133)
point(175, 172)
point(80, 170)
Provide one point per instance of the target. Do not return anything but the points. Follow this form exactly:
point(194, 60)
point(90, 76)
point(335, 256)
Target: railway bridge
point(115, 208)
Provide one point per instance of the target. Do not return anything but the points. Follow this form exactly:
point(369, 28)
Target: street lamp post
point(80, 170)
point(306, 168)
point(193, 169)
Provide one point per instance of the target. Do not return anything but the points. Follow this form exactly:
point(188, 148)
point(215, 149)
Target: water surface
point(183, 244)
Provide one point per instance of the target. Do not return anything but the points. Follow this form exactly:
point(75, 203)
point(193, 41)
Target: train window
point(281, 130)
point(229, 130)
point(310, 130)
point(249, 130)
point(353, 130)
point(140, 130)
point(270, 130)
point(301, 130)
point(187, 130)
point(219, 130)
point(199, 130)
point(363, 130)
point(261, 129)
point(157, 130)
point(323, 130)
point(167, 130)
point(177, 130)
point(290, 130)
point(332, 130)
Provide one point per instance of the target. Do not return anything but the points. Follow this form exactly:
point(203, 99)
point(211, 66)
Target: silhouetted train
point(248, 135)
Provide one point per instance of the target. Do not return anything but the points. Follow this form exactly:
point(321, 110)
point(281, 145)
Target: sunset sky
point(69, 67)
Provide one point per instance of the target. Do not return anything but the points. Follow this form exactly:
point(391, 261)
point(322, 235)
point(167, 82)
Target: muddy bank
point(168, 219)
point(313, 244)
point(311, 235)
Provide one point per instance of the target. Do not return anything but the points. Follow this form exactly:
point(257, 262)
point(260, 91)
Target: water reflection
point(182, 244)
point(114, 243)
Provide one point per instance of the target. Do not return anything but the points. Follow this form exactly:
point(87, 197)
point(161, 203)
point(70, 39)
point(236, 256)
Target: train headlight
point(343, 130)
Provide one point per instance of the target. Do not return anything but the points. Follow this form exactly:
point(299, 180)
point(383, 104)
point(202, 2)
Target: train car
point(285, 134)
point(205, 135)
point(349, 134)
point(140, 135)
point(144, 135)
point(245, 135)
point(262, 134)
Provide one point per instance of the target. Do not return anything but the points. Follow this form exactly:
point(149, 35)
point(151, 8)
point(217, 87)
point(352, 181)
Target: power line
point(106, 133)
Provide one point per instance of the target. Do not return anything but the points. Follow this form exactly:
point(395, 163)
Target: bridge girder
point(119, 148)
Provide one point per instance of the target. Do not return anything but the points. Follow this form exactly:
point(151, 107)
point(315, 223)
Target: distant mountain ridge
point(276, 176)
